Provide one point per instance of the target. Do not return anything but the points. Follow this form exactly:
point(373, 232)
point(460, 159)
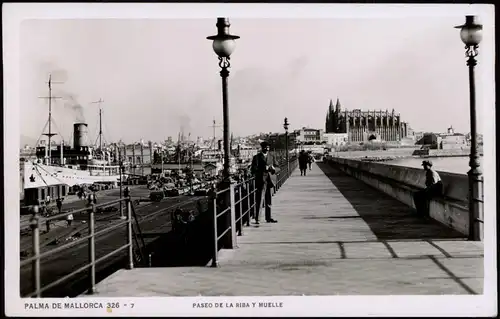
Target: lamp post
point(162, 162)
point(121, 168)
point(285, 126)
point(224, 44)
point(471, 35)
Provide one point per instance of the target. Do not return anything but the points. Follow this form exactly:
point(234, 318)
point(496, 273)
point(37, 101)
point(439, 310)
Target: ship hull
point(39, 175)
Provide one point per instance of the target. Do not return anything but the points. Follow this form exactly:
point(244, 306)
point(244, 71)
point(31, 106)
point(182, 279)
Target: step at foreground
point(335, 236)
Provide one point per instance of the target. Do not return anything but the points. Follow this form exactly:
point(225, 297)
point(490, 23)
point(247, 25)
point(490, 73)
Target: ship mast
point(179, 149)
point(190, 150)
point(50, 97)
point(214, 142)
point(100, 122)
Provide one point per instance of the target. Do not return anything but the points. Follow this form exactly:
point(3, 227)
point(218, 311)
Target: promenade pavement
point(335, 236)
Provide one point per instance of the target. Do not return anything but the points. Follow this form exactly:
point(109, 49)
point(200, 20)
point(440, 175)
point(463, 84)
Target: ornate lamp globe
point(223, 43)
point(471, 32)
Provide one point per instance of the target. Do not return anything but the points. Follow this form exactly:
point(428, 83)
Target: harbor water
point(457, 165)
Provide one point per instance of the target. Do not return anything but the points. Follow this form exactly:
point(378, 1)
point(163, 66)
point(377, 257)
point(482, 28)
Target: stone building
point(308, 135)
point(363, 126)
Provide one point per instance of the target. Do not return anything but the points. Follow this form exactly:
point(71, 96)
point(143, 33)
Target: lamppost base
point(476, 204)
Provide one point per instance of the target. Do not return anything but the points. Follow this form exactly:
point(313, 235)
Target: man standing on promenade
point(303, 158)
point(264, 168)
point(433, 188)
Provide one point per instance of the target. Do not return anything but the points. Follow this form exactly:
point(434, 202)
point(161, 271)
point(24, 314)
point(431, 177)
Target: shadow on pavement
point(386, 217)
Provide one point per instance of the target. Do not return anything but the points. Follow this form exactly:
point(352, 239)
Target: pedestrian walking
point(310, 160)
point(59, 204)
point(69, 219)
point(433, 188)
point(303, 163)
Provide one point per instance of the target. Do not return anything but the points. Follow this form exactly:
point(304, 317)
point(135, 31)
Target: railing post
point(130, 235)
point(254, 198)
point(231, 220)
point(275, 186)
point(91, 248)
point(240, 215)
point(249, 206)
point(35, 265)
point(213, 198)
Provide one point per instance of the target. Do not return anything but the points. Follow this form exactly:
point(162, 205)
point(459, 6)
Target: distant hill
point(26, 140)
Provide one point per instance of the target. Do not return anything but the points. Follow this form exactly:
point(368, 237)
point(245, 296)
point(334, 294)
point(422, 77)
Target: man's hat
point(264, 144)
point(428, 163)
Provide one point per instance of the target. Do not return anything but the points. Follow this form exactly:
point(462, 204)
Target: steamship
point(66, 167)
point(58, 168)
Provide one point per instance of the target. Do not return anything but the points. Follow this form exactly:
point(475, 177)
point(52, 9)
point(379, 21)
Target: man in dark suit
point(264, 168)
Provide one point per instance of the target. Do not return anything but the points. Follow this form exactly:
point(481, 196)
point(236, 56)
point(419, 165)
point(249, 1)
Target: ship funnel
point(80, 135)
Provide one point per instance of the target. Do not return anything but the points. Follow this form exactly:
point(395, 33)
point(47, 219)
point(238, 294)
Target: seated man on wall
point(433, 188)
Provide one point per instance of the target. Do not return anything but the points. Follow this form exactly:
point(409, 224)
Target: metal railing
point(35, 260)
point(236, 205)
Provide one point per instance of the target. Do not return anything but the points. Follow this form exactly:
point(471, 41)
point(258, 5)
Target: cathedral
point(364, 126)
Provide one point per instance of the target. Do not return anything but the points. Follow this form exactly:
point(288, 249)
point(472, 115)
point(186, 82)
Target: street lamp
point(161, 161)
point(285, 126)
point(224, 44)
point(121, 168)
point(471, 35)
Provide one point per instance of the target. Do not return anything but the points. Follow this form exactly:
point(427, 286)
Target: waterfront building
point(308, 135)
point(430, 140)
point(363, 126)
point(335, 139)
point(452, 140)
point(133, 154)
point(246, 152)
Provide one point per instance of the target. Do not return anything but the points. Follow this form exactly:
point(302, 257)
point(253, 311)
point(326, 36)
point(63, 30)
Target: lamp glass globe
point(471, 35)
point(224, 48)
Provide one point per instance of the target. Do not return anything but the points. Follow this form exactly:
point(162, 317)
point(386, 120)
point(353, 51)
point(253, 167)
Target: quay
point(336, 235)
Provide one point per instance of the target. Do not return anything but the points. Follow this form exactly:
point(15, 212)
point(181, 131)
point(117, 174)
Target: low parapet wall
point(401, 182)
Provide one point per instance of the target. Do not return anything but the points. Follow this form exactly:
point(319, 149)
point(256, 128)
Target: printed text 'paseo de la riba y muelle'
point(237, 304)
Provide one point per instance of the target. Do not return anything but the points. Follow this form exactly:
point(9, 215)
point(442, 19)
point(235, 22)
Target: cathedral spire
point(337, 105)
point(330, 107)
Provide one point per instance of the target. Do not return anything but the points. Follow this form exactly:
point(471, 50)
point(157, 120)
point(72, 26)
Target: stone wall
point(401, 182)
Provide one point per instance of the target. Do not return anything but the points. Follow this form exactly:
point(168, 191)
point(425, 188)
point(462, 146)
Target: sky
point(157, 76)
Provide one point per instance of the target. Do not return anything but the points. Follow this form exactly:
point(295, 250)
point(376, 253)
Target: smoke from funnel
point(185, 123)
point(72, 104)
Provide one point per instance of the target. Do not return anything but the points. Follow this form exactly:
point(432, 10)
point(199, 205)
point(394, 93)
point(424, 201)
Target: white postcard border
point(484, 304)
